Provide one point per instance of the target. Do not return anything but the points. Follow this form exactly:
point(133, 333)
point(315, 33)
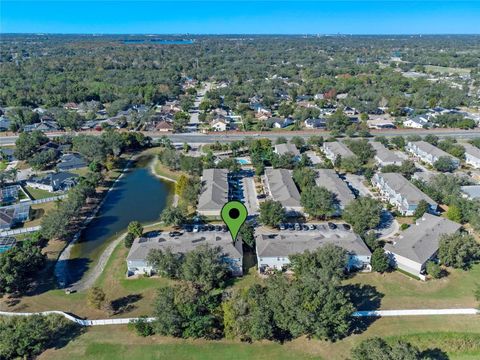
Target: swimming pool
point(243, 161)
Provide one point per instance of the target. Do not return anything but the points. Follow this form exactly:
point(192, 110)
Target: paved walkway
point(375, 313)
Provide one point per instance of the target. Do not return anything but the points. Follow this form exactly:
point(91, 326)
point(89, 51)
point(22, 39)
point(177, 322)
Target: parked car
point(174, 233)
point(218, 228)
point(346, 227)
point(305, 227)
point(290, 226)
point(332, 226)
point(297, 226)
point(311, 227)
point(211, 227)
point(196, 228)
point(281, 226)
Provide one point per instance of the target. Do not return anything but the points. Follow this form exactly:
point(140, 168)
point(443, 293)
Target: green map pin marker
point(234, 214)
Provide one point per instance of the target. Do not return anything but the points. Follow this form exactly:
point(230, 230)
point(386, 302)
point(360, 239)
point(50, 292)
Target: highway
point(198, 138)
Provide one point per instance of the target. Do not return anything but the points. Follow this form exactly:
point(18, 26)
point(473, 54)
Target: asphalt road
point(198, 138)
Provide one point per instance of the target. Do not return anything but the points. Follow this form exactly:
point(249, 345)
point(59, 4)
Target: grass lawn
point(109, 342)
point(38, 211)
point(403, 292)
point(39, 193)
point(3, 165)
point(447, 70)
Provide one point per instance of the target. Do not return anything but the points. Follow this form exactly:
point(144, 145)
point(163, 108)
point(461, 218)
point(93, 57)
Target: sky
point(240, 17)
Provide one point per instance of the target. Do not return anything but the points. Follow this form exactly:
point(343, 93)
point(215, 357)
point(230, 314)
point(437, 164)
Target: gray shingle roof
point(430, 149)
point(286, 244)
point(383, 154)
point(282, 187)
point(472, 150)
point(184, 243)
point(338, 148)
point(281, 149)
point(215, 189)
point(399, 184)
point(330, 180)
point(420, 241)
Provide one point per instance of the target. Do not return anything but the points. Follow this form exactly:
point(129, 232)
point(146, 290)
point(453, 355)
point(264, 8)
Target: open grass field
point(446, 70)
point(403, 292)
point(425, 332)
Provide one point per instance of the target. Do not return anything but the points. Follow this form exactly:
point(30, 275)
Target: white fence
point(372, 313)
point(20, 231)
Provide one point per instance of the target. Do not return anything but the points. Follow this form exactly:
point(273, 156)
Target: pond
point(138, 195)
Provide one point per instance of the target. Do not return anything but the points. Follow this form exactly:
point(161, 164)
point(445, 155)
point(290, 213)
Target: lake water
point(138, 195)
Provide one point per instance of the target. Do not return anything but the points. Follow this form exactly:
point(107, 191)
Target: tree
point(173, 215)
point(304, 177)
point(128, 241)
point(434, 270)
point(318, 202)
point(362, 149)
point(43, 159)
point(454, 213)
point(422, 208)
point(187, 311)
point(165, 262)
point(19, 265)
point(458, 250)
point(25, 337)
point(271, 213)
point(378, 349)
point(327, 262)
point(247, 234)
point(142, 326)
point(27, 144)
point(205, 266)
point(96, 297)
point(380, 262)
point(351, 164)
point(281, 140)
point(135, 228)
point(445, 164)
point(364, 213)
point(298, 142)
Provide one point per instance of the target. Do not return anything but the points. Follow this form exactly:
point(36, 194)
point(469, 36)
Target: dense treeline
point(313, 303)
point(53, 70)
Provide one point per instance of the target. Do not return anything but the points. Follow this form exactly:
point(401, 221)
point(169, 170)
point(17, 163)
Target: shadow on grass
point(363, 297)
point(436, 353)
point(125, 303)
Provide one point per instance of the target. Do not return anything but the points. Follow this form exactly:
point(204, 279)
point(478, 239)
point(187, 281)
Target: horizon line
point(239, 34)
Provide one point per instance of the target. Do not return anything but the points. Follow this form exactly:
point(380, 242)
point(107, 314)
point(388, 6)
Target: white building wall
point(406, 264)
point(473, 161)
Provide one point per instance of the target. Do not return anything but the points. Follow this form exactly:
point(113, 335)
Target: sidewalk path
point(374, 313)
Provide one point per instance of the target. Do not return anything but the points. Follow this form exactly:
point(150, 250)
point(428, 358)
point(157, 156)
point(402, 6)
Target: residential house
point(349, 111)
point(137, 257)
point(418, 244)
point(219, 125)
point(274, 250)
point(71, 161)
point(380, 124)
point(428, 153)
point(163, 126)
point(279, 123)
point(384, 156)
point(472, 155)
point(319, 123)
point(214, 192)
point(417, 122)
point(71, 106)
point(330, 180)
point(280, 187)
point(281, 149)
point(53, 182)
point(334, 149)
point(13, 215)
point(46, 125)
point(401, 193)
